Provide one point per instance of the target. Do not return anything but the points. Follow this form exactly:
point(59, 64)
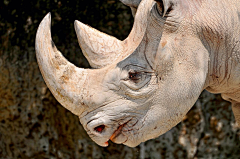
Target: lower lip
point(115, 134)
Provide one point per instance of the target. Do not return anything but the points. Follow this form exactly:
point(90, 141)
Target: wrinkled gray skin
point(143, 86)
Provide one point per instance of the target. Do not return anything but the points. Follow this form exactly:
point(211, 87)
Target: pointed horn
point(101, 49)
point(62, 78)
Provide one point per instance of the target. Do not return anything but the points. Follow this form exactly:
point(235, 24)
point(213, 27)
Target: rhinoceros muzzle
point(103, 127)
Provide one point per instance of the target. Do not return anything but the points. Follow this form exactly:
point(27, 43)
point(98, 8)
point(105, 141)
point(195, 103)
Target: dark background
point(34, 125)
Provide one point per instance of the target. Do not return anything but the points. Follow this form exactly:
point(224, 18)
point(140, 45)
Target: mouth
point(116, 133)
point(118, 136)
point(113, 137)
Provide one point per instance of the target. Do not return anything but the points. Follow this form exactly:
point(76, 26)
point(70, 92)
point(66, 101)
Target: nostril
point(99, 128)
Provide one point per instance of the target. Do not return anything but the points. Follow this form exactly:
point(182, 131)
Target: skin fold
point(143, 86)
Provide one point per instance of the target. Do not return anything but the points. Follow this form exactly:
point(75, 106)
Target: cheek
point(159, 121)
point(164, 63)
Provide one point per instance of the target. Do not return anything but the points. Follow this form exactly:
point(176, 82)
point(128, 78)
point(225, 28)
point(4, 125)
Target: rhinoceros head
point(141, 87)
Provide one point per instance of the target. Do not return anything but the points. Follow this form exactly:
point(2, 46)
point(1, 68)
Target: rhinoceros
point(143, 86)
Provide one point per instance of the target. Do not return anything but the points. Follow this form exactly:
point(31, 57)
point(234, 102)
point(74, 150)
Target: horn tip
point(41, 31)
point(48, 16)
point(76, 21)
point(45, 22)
point(77, 25)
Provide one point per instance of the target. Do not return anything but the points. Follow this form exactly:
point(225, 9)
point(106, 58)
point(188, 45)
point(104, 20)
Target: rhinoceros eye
point(135, 76)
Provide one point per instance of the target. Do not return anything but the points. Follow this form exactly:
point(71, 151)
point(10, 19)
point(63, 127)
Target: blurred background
point(34, 125)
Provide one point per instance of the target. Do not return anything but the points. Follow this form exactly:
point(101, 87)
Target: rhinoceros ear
point(165, 6)
point(99, 48)
point(133, 4)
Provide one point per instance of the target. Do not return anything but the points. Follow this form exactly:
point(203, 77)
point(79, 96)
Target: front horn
point(64, 80)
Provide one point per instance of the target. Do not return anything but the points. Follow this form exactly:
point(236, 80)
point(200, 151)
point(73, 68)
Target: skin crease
point(156, 78)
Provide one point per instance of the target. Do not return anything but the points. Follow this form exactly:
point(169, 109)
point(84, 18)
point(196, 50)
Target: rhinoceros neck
point(220, 34)
point(224, 69)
